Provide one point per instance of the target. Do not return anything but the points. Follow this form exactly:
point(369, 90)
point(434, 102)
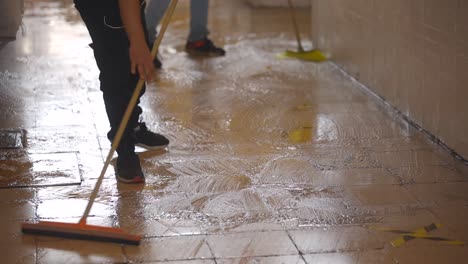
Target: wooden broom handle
point(296, 28)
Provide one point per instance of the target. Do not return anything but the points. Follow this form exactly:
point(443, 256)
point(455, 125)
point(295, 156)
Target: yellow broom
point(314, 55)
point(82, 230)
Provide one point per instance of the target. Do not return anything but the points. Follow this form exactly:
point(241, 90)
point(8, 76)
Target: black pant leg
point(111, 51)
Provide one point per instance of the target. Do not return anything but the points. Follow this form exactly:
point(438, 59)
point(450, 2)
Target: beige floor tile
point(58, 250)
point(263, 260)
point(20, 210)
point(59, 116)
point(37, 170)
point(170, 248)
point(439, 193)
point(147, 228)
point(430, 254)
point(299, 170)
point(379, 195)
point(341, 157)
point(388, 225)
point(65, 139)
point(409, 239)
point(15, 246)
point(332, 258)
point(170, 204)
point(245, 227)
point(453, 217)
point(81, 191)
point(351, 126)
point(182, 227)
point(428, 174)
point(202, 261)
point(462, 168)
point(19, 253)
point(251, 244)
point(413, 142)
point(15, 194)
point(353, 177)
point(408, 218)
point(364, 257)
point(71, 208)
point(417, 158)
point(337, 238)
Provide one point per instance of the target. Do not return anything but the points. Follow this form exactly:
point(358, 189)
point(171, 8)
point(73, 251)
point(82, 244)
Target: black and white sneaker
point(149, 140)
point(128, 169)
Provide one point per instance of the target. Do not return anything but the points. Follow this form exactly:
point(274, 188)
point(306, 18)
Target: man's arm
point(140, 55)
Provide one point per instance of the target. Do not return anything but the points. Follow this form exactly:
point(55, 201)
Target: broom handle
point(296, 28)
point(128, 112)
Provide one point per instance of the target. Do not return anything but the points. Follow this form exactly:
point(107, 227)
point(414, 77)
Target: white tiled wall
point(413, 53)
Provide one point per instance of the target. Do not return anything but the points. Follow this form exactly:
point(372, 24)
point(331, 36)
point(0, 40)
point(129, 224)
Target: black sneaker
point(128, 169)
point(157, 63)
point(149, 140)
point(204, 47)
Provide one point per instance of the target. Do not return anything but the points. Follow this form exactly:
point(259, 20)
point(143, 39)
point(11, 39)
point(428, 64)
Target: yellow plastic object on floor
point(314, 55)
point(301, 135)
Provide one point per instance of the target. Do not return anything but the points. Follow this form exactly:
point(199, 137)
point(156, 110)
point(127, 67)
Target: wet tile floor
point(271, 161)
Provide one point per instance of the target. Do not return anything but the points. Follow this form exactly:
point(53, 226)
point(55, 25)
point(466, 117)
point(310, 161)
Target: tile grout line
point(95, 128)
point(295, 245)
point(211, 250)
point(36, 251)
point(124, 254)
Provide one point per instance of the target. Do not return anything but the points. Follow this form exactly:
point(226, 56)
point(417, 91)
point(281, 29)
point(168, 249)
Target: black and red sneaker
point(128, 169)
point(204, 47)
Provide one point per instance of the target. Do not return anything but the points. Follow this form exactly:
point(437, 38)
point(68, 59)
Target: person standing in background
point(198, 42)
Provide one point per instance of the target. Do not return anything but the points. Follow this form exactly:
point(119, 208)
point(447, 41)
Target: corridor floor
point(270, 161)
